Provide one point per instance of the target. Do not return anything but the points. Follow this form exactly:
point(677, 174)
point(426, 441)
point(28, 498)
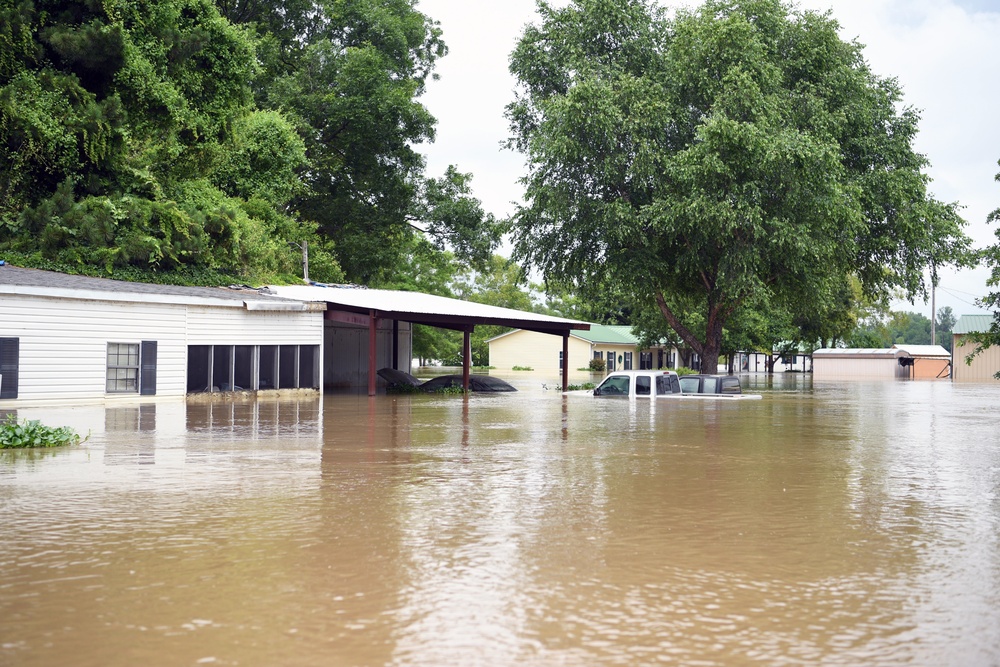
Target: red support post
point(466, 357)
point(372, 353)
point(565, 360)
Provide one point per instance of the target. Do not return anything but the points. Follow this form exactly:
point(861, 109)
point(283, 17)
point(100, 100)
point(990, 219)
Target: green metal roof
point(603, 333)
point(972, 324)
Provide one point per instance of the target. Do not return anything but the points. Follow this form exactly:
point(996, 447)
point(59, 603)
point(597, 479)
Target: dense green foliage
point(725, 159)
point(350, 73)
point(192, 141)
point(32, 433)
point(132, 141)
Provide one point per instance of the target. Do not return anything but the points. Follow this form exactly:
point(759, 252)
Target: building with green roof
point(985, 364)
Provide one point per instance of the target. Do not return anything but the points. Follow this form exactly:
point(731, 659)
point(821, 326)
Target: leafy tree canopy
point(350, 74)
point(132, 143)
point(736, 154)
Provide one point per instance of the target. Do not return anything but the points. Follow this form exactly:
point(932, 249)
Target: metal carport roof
point(369, 305)
point(423, 308)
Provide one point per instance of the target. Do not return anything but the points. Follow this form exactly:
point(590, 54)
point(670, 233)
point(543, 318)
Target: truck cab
point(639, 384)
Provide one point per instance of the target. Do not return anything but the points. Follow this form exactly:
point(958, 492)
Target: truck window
point(642, 386)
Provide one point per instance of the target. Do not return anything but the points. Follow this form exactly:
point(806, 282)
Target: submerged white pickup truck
point(666, 384)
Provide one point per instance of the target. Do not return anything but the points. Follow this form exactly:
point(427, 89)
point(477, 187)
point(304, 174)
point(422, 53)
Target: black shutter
point(147, 370)
point(9, 355)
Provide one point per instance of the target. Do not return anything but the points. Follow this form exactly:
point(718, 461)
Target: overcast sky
point(945, 53)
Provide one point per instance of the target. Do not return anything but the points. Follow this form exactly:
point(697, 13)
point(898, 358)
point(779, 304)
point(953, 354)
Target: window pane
point(122, 372)
point(642, 386)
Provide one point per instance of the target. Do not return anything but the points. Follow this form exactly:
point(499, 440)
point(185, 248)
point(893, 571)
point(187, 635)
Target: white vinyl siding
point(63, 341)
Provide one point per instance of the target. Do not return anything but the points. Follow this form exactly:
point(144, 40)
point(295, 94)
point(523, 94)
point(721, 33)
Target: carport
point(360, 306)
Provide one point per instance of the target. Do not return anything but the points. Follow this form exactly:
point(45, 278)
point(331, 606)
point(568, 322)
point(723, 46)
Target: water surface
point(838, 524)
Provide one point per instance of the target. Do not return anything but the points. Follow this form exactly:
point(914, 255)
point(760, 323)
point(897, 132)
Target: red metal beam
point(347, 318)
point(565, 360)
point(466, 357)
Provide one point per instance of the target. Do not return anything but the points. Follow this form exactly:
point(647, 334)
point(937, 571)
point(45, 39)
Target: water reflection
point(851, 523)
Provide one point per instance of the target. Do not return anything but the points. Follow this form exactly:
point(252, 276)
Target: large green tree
point(733, 154)
point(351, 73)
point(130, 141)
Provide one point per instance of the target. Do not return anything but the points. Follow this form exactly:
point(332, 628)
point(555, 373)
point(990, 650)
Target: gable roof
point(609, 334)
point(37, 282)
point(924, 351)
point(858, 353)
point(972, 324)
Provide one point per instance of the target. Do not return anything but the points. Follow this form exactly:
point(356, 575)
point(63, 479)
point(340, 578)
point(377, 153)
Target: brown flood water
point(837, 524)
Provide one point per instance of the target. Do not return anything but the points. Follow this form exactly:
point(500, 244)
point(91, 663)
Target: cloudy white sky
point(945, 53)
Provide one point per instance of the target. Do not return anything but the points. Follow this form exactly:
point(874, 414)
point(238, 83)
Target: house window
point(9, 356)
point(123, 368)
point(628, 362)
point(560, 360)
point(611, 361)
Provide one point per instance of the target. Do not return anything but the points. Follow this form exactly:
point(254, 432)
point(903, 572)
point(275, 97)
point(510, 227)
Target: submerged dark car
point(710, 384)
point(476, 383)
point(482, 383)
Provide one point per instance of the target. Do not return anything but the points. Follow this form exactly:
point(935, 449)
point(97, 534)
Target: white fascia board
point(279, 304)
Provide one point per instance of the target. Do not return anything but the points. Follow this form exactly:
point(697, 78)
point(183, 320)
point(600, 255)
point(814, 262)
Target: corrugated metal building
point(929, 362)
point(72, 338)
point(983, 365)
point(859, 363)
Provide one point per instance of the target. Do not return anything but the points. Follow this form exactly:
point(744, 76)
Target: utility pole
point(933, 316)
point(305, 260)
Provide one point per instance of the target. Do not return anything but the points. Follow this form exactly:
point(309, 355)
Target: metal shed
point(862, 363)
point(981, 367)
point(927, 362)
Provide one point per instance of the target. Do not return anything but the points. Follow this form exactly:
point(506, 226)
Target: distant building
point(929, 362)
point(899, 361)
point(984, 364)
point(616, 345)
point(861, 363)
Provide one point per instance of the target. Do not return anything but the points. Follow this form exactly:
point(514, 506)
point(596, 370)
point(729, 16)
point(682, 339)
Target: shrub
point(579, 387)
point(597, 364)
point(684, 370)
point(522, 368)
point(34, 434)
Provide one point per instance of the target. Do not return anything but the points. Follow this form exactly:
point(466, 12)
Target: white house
point(67, 338)
point(616, 345)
